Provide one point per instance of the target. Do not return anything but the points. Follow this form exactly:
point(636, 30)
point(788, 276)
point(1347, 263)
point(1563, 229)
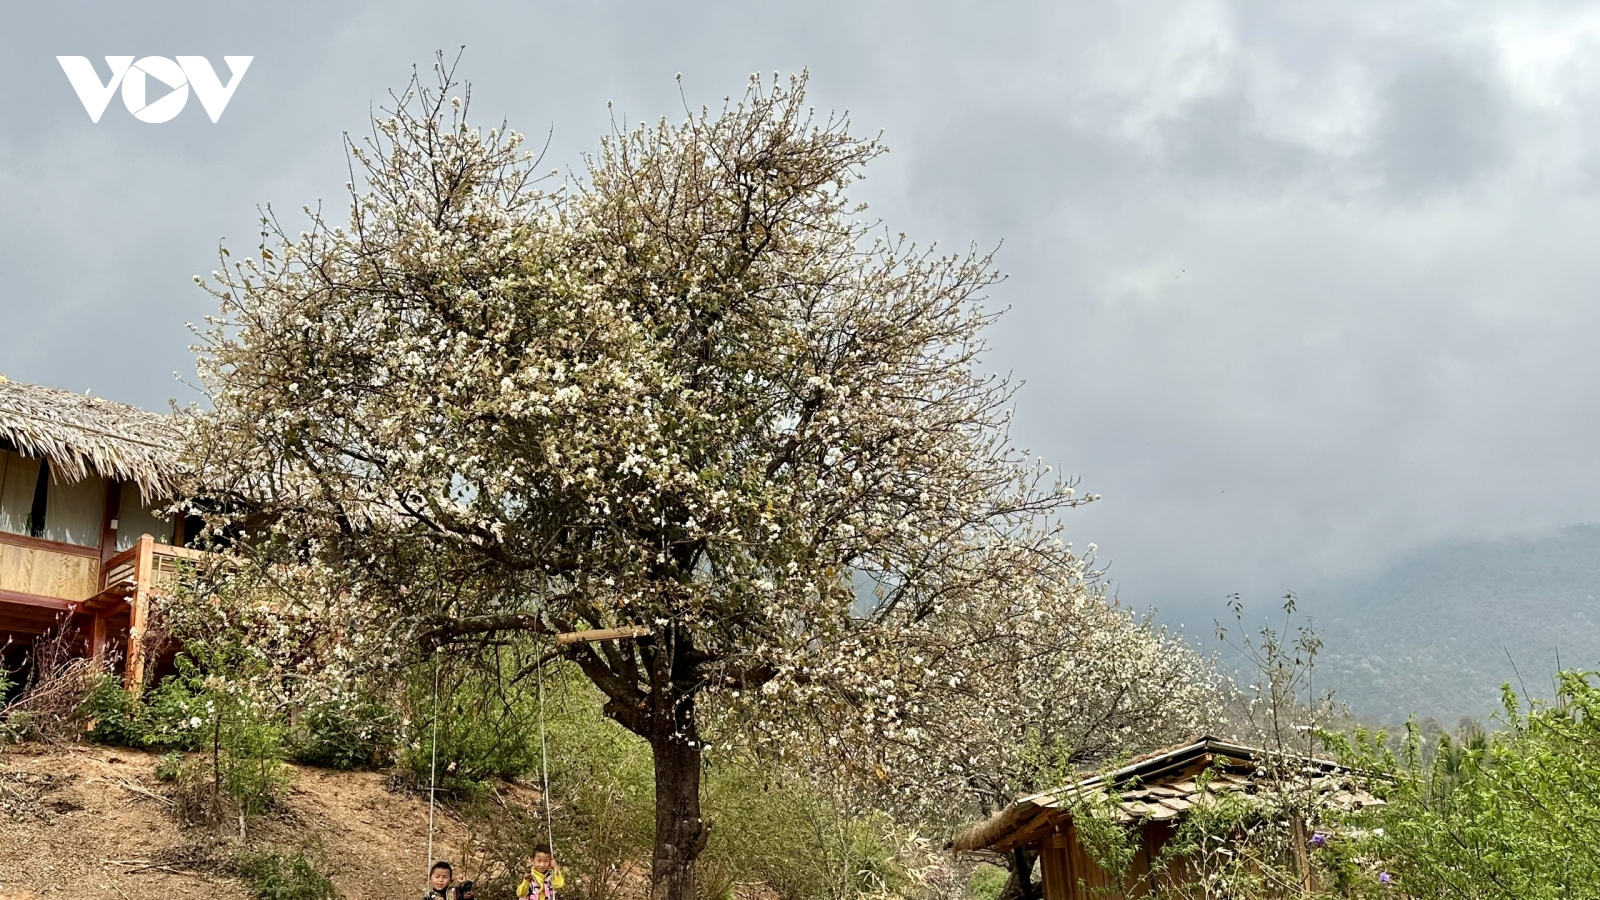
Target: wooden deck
point(45, 584)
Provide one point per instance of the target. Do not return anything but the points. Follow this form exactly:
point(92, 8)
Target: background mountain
point(1438, 631)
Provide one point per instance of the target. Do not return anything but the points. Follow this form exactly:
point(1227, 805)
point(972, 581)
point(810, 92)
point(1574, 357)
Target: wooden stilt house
point(1150, 796)
point(86, 532)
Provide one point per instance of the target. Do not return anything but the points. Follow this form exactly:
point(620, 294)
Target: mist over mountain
point(1438, 631)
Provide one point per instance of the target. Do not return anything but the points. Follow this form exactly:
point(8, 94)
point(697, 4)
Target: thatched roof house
point(82, 436)
point(1150, 794)
point(86, 525)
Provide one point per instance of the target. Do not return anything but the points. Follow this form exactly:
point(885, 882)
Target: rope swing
point(565, 639)
point(544, 764)
point(433, 762)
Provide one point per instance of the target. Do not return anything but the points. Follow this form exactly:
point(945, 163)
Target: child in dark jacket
point(441, 880)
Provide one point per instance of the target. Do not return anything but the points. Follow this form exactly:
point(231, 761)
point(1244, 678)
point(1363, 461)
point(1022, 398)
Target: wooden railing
point(147, 566)
point(46, 579)
point(144, 570)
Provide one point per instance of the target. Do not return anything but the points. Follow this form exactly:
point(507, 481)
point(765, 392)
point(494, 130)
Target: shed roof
point(82, 435)
point(1163, 785)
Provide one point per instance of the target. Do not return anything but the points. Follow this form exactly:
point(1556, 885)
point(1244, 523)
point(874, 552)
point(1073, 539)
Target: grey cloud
point(1217, 138)
point(1443, 126)
point(995, 174)
point(1294, 286)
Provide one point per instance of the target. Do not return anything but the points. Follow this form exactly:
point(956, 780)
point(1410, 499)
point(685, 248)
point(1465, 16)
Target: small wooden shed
point(1152, 794)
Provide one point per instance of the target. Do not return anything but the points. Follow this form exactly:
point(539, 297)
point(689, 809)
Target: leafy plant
point(987, 882)
point(353, 735)
point(170, 715)
point(169, 767)
point(249, 763)
point(1497, 816)
point(487, 725)
point(774, 826)
point(278, 876)
point(190, 711)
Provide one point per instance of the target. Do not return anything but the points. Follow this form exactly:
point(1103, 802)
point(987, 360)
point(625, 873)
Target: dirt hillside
point(93, 822)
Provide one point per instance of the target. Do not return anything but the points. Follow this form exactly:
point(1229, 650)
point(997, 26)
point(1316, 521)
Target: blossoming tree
point(1033, 684)
point(688, 390)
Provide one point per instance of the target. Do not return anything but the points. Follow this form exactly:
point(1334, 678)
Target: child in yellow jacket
point(544, 876)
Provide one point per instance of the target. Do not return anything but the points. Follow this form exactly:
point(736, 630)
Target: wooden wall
point(64, 574)
point(1070, 873)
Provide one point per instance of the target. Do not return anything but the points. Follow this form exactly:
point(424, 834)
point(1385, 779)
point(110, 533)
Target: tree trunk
point(1020, 885)
point(665, 717)
point(680, 833)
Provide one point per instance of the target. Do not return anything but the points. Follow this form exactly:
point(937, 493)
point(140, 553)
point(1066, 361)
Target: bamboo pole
point(602, 634)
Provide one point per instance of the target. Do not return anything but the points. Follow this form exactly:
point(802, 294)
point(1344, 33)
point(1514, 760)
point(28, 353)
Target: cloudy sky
point(1295, 286)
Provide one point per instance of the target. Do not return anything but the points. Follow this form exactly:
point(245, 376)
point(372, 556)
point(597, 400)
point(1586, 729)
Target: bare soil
point(94, 822)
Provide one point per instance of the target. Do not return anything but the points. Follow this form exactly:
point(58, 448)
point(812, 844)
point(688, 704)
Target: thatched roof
point(1163, 785)
point(82, 435)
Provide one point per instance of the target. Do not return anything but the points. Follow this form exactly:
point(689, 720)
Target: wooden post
point(1302, 854)
point(97, 638)
point(1022, 870)
point(139, 613)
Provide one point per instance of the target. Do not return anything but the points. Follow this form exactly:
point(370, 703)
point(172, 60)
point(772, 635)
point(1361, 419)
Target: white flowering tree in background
point(688, 390)
point(1032, 683)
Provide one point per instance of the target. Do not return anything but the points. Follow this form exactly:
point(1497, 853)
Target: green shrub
point(488, 728)
point(1508, 814)
point(182, 714)
point(276, 876)
point(113, 715)
point(171, 715)
point(169, 767)
point(251, 759)
point(775, 826)
point(10, 731)
point(344, 736)
point(987, 882)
